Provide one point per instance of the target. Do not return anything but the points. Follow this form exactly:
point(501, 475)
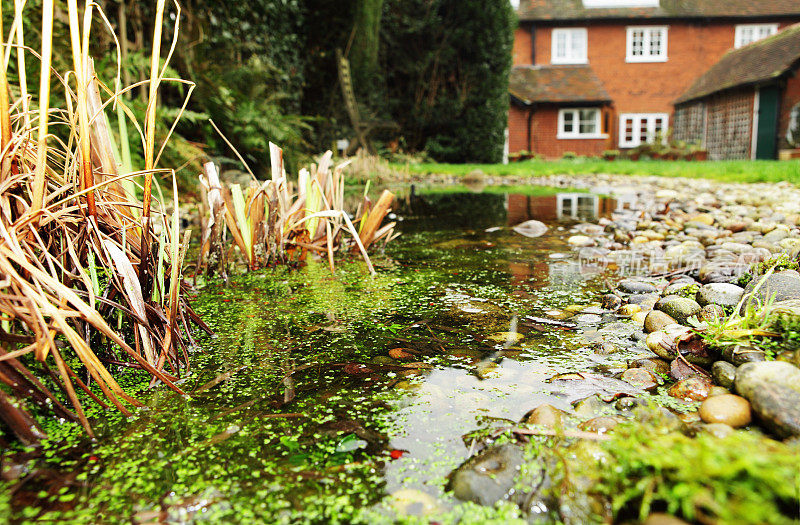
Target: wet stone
point(728, 409)
point(611, 302)
point(722, 294)
point(586, 319)
point(740, 354)
point(590, 406)
point(678, 308)
point(627, 310)
point(656, 320)
point(718, 430)
point(631, 286)
point(488, 477)
point(773, 389)
point(781, 286)
point(660, 344)
point(711, 313)
point(659, 367)
point(627, 404)
point(640, 377)
point(544, 415)
point(723, 373)
point(600, 425)
point(690, 389)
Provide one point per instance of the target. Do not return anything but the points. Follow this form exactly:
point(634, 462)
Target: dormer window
point(749, 33)
point(646, 44)
point(569, 46)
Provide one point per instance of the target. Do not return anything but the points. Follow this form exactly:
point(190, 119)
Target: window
point(647, 44)
point(746, 34)
point(579, 123)
point(569, 46)
point(640, 128)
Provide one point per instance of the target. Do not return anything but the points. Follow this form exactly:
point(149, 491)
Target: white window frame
point(576, 133)
point(571, 209)
point(661, 57)
point(738, 40)
point(649, 120)
point(569, 33)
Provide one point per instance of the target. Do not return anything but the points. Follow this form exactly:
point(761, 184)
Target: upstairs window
point(647, 44)
point(636, 129)
point(579, 123)
point(569, 46)
point(747, 34)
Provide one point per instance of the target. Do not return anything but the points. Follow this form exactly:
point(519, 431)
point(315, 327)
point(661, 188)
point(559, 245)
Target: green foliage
point(743, 478)
point(447, 64)
point(779, 262)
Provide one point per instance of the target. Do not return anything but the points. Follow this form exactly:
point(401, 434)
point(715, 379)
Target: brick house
point(595, 75)
point(747, 104)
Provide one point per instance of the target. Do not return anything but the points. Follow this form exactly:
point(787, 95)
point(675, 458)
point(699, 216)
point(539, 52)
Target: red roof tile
point(554, 84)
point(760, 61)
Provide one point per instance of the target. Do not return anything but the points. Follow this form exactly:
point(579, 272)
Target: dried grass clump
point(89, 274)
point(280, 222)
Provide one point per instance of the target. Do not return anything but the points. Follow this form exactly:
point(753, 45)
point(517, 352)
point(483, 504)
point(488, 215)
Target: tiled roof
point(757, 62)
point(533, 10)
point(531, 84)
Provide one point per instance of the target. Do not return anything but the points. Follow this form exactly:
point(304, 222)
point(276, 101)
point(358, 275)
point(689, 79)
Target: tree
point(447, 64)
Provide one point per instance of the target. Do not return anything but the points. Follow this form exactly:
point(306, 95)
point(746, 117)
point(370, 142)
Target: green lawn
point(729, 171)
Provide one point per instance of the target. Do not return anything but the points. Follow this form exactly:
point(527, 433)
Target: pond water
point(347, 398)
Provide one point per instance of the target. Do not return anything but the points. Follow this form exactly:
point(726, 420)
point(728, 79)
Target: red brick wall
point(522, 45)
point(545, 141)
point(791, 96)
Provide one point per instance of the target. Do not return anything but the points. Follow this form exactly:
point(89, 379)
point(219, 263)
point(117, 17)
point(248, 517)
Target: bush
point(447, 64)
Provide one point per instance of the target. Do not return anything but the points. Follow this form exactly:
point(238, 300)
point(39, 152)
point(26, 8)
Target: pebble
point(690, 389)
point(581, 241)
point(773, 389)
point(678, 308)
point(728, 409)
point(723, 373)
point(640, 377)
point(544, 415)
point(656, 320)
point(722, 294)
point(632, 286)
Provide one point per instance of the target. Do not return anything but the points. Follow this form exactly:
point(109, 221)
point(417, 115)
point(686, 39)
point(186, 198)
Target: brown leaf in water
point(399, 353)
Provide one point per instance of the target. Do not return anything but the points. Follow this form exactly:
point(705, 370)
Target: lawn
point(729, 170)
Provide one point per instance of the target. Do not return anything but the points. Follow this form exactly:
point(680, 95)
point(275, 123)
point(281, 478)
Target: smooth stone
point(645, 300)
point(656, 320)
point(611, 301)
point(717, 390)
point(590, 406)
point(586, 319)
point(639, 318)
point(722, 294)
point(682, 289)
point(678, 308)
point(640, 377)
point(712, 313)
point(581, 241)
point(488, 477)
point(412, 502)
point(506, 337)
point(773, 389)
point(627, 310)
point(781, 286)
point(633, 286)
point(728, 409)
point(531, 228)
point(600, 425)
point(741, 354)
point(544, 415)
point(659, 367)
point(723, 373)
point(606, 349)
point(660, 344)
point(690, 389)
point(776, 235)
point(721, 272)
point(629, 403)
point(718, 430)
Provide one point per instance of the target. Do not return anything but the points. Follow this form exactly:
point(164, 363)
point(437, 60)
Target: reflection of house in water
point(583, 206)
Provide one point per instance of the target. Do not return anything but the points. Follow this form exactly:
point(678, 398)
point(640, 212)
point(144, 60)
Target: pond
point(344, 398)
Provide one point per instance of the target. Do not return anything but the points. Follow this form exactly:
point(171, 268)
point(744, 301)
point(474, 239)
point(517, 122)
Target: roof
point(538, 10)
point(531, 84)
point(761, 61)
